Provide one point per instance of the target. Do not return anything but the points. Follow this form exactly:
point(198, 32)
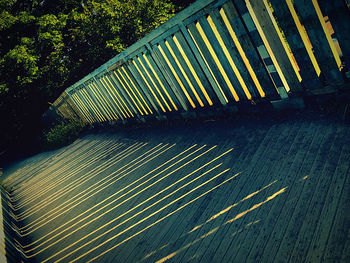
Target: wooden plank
point(110, 100)
point(275, 45)
point(304, 199)
point(283, 209)
point(222, 57)
point(337, 247)
point(249, 49)
point(334, 197)
point(216, 249)
point(176, 235)
point(160, 60)
point(141, 86)
point(150, 64)
point(285, 21)
point(338, 13)
point(322, 50)
point(234, 54)
point(263, 207)
point(193, 87)
point(210, 63)
point(320, 190)
point(120, 94)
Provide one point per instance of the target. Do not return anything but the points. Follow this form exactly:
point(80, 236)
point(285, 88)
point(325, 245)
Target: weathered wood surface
point(164, 193)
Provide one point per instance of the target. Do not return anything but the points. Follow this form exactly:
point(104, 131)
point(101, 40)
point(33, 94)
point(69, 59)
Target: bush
point(63, 134)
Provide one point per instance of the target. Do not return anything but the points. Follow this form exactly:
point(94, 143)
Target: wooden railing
point(217, 53)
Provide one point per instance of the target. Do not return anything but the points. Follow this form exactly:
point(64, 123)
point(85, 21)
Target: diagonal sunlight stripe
point(110, 163)
point(36, 175)
point(96, 192)
point(158, 79)
point(231, 206)
point(257, 205)
point(150, 198)
point(217, 61)
point(184, 73)
point(159, 220)
point(94, 175)
point(54, 168)
point(145, 209)
point(173, 158)
point(154, 84)
point(94, 219)
point(77, 169)
point(21, 175)
point(27, 186)
point(140, 212)
point(171, 255)
point(129, 150)
point(210, 219)
point(132, 226)
point(229, 58)
point(61, 191)
point(242, 53)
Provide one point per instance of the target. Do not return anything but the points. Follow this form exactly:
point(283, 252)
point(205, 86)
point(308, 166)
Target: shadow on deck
point(268, 190)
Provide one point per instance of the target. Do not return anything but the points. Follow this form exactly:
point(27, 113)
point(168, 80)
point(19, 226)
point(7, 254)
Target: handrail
point(214, 53)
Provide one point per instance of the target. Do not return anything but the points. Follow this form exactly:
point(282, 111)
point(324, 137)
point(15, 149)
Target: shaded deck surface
point(214, 191)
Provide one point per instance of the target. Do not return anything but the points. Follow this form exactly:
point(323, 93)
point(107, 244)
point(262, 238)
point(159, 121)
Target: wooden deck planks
point(256, 239)
point(288, 204)
point(300, 168)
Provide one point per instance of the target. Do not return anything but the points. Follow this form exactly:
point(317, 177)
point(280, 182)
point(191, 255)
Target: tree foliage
point(48, 45)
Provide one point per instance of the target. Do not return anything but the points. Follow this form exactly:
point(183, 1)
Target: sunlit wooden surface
point(218, 191)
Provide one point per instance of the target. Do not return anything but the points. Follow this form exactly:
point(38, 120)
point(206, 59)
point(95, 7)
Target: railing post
point(156, 59)
point(142, 87)
point(339, 16)
point(322, 50)
point(86, 105)
point(278, 51)
point(95, 103)
point(109, 103)
point(122, 93)
point(78, 108)
point(285, 20)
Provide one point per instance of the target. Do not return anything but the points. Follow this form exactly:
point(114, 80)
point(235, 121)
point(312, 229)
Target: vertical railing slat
point(319, 42)
point(160, 60)
point(232, 80)
point(339, 16)
point(285, 20)
point(255, 61)
point(235, 56)
point(282, 64)
point(142, 87)
point(149, 61)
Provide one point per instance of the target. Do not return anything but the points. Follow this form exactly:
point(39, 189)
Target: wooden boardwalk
point(237, 191)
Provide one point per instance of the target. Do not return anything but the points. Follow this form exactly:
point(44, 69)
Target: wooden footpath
point(214, 191)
